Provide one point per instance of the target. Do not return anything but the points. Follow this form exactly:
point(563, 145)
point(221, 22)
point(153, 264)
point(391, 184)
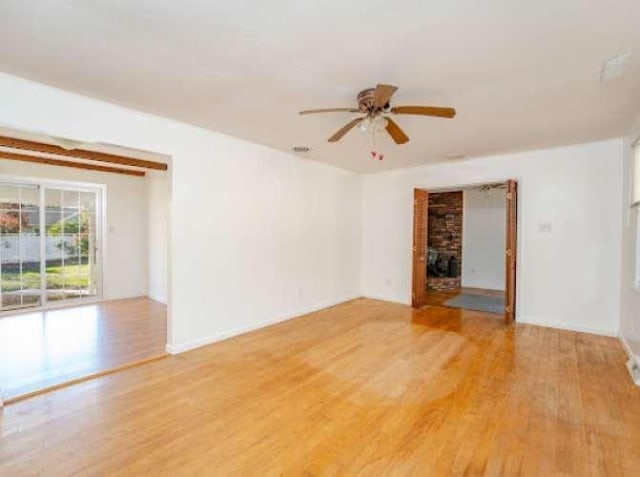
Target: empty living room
point(364, 238)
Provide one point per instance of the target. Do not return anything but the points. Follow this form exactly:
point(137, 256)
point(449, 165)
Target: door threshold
point(71, 382)
point(50, 307)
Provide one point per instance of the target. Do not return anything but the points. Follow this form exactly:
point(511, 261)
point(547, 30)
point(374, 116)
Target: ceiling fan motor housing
point(366, 101)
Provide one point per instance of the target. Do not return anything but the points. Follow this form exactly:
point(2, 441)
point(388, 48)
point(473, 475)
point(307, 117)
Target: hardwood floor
point(47, 348)
point(439, 297)
point(363, 388)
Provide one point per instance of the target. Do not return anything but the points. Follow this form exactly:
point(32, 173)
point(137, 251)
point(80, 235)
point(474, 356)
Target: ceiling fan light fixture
point(374, 103)
point(373, 124)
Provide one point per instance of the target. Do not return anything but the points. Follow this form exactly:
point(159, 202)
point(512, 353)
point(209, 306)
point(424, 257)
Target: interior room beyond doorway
point(83, 261)
point(465, 248)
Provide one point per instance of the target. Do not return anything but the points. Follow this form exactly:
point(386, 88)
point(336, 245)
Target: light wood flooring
point(47, 348)
point(365, 388)
point(440, 297)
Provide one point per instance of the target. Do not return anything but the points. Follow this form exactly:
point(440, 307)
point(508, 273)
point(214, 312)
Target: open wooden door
point(511, 246)
point(420, 216)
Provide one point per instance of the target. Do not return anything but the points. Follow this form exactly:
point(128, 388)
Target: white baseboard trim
point(519, 319)
point(627, 349)
point(633, 365)
point(580, 329)
point(159, 298)
point(223, 335)
point(375, 296)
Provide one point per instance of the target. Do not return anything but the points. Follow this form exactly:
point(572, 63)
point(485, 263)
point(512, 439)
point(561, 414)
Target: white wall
point(125, 267)
point(569, 277)
point(158, 232)
point(257, 235)
point(484, 217)
point(629, 296)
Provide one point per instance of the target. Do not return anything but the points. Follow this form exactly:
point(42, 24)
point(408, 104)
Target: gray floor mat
point(490, 304)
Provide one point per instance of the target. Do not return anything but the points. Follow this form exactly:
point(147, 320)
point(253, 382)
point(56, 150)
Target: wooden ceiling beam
point(60, 162)
point(33, 146)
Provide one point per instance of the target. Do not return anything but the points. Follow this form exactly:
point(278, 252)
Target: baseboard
point(223, 335)
point(633, 364)
point(580, 329)
point(519, 319)
point(375, 296)
point(628, 350)
point(159, 298)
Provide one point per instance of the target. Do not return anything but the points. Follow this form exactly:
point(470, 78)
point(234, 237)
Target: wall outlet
point(387, 282)
point(545, 227)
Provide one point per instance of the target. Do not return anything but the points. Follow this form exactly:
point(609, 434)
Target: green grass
point(69, 276)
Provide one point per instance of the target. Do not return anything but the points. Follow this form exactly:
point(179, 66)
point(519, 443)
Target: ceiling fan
point(374, 103)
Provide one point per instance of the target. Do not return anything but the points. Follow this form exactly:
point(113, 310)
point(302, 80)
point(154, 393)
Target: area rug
point(489, 304)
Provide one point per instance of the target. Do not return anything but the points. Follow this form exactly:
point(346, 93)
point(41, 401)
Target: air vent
point(455, 157)
point(300, 149)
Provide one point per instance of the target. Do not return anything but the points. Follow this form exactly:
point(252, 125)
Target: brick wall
point(445, 235)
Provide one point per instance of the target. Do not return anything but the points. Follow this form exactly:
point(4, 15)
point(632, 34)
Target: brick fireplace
point(445, 236)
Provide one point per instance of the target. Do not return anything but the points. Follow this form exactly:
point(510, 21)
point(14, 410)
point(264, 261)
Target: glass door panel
point(55, 245)
point(19, 246)
point(71, 236)
point(88, 241)
point(48, 245)
point(30, 252)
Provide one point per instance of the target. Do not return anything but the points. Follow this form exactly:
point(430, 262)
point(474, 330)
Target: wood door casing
point(420, 221)
point(510, 252)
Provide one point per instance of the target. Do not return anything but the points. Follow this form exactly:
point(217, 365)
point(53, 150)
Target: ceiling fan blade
point(383, 94)
point(330, 110)
point(395, 132)
point(344, 130)
point(425, 111)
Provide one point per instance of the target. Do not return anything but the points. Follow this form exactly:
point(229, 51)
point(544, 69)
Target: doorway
point(83, 261)
point(464, 252)
point(49, 244)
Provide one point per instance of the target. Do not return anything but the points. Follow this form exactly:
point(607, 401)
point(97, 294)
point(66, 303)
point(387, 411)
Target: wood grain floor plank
point(363, 388)
point(44, 349)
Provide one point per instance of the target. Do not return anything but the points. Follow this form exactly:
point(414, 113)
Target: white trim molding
point(160, 298)
point(223, 335)
point(562, 326)
point(633, 364)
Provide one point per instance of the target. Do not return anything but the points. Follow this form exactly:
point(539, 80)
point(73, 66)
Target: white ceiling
point(521, 74)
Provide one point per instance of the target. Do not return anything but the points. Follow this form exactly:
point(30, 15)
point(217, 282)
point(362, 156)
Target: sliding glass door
point(20, 259)
point(70, 244)
point(49, 242)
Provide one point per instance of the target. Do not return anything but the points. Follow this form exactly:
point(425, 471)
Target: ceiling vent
point(455, 157)
point(614, 67)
